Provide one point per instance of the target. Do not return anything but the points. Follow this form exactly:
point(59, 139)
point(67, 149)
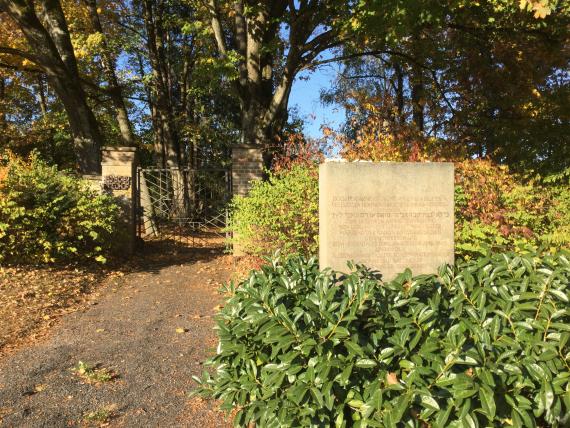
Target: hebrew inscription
point(388, 216)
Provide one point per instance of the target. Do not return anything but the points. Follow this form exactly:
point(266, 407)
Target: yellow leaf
point(392, 379)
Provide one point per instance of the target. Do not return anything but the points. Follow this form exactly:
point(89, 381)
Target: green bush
point(485, 343)
point(51, 216)
point(558, 213)
point(279, 214)
point(498, 211)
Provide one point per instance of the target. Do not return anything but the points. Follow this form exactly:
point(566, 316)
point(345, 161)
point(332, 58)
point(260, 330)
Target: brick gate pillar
point(247, 166)
point(118, 171)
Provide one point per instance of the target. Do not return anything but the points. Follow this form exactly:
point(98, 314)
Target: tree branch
point(134, 30)
point(17, 52)
point(217, 27)
point(23, 69)
point(377, 54)
point(316, 42)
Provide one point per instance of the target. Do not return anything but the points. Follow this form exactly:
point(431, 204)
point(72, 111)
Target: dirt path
point(152, 329)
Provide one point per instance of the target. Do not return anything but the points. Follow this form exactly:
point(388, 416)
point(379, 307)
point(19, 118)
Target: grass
point(94, 374)
point(101, 415)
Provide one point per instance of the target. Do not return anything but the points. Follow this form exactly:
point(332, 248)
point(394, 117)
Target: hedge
point(484, 343)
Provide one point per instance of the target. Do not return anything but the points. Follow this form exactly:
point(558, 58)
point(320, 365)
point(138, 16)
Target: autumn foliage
point(378, 137)
point(495, 209)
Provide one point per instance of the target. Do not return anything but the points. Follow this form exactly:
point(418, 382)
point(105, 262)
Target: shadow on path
point(133, 329)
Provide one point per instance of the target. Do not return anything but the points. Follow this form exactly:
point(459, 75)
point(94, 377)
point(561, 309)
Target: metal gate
point(183, 205)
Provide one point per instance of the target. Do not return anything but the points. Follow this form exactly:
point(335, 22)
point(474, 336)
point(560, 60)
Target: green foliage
point(558, 215)
point(50, 216)
point(512, 106)
point(94, 374)
point(484, 343)
point(558, 212)
point(279, 214)
point(494, 211)
point(49, 137)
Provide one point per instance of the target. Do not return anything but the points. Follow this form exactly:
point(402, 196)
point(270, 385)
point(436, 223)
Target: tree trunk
point(53, 52)
point(42, 96)
point(158, 147)
point(417, 91)
point(108, 64)
point(417, 96)
point(83, 124)
point(263, 87)
point(399, 92)
point(161, 97)
point(3, 102)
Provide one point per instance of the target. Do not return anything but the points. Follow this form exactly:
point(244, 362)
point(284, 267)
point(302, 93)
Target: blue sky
point(305, 96)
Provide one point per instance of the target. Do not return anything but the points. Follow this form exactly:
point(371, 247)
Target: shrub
point(499, 211)
point(49, 216)
point(558, 213)
point(495, 211)
point(485, 343)
point(281, 213)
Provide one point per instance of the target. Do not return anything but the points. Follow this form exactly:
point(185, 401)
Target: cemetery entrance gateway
point(183, 205)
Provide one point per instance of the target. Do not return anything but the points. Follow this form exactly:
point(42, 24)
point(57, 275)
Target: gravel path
point(152, 328)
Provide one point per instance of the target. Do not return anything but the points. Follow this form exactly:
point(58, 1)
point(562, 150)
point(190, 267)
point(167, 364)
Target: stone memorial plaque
point(388, 216)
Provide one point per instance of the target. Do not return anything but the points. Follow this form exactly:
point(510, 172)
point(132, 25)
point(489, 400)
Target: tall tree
point(162, 107)
point(485, 80)
point(108, 63)
point(270, 42)
point(47, 34)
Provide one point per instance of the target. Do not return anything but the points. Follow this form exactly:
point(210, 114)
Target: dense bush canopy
point(495, 211)
point(279, 214)
point(49, 216)
point(484, 343)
